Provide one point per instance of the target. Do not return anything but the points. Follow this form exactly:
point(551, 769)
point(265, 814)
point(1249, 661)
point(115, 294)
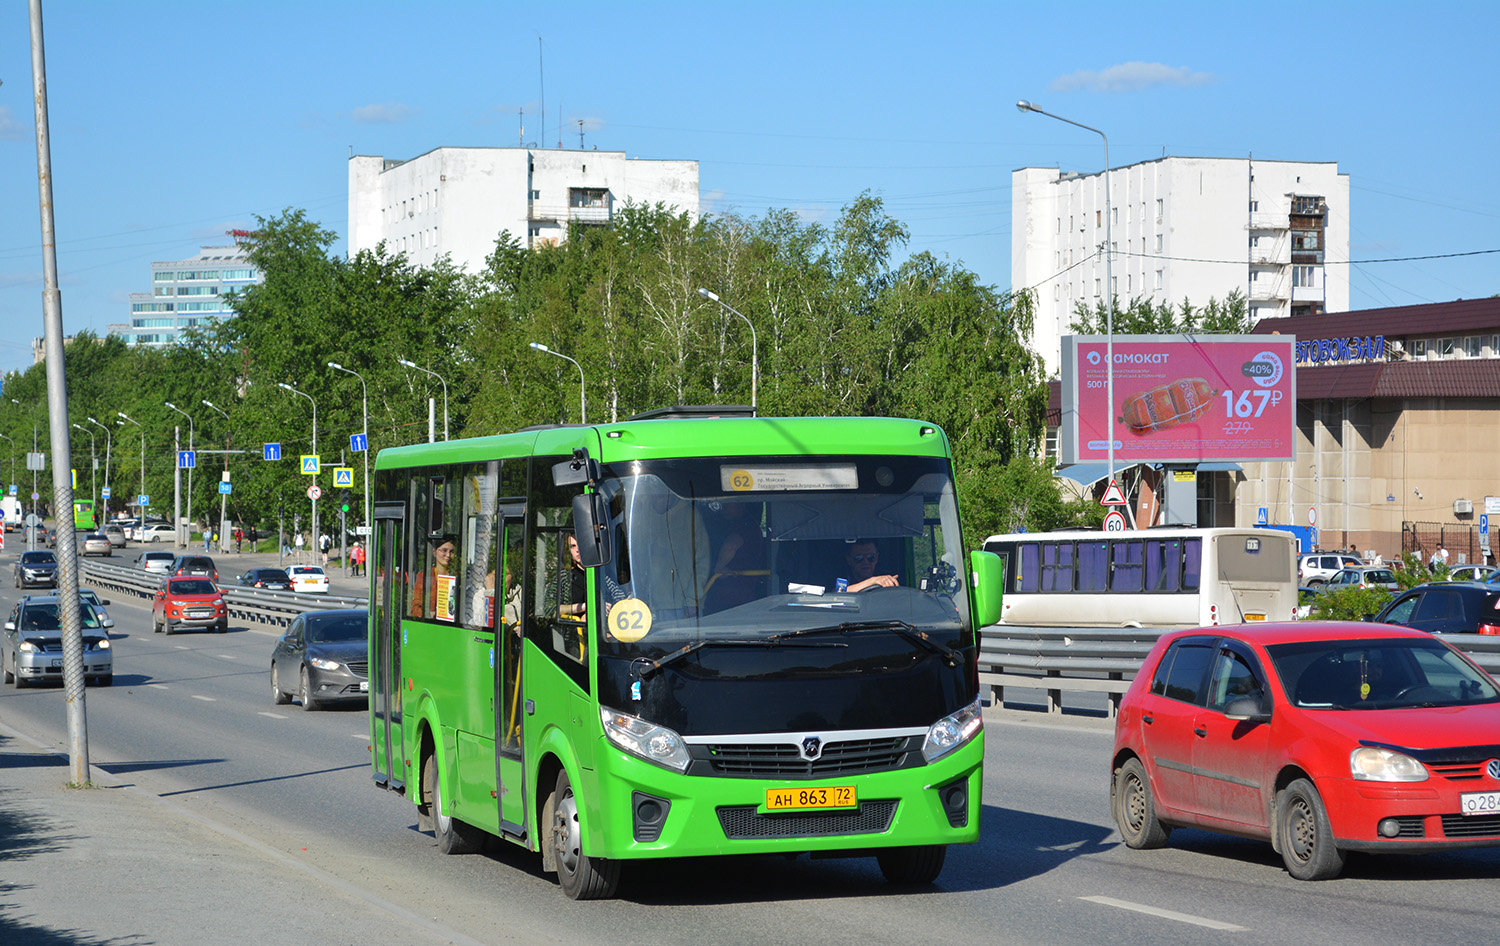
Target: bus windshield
point(755, 550)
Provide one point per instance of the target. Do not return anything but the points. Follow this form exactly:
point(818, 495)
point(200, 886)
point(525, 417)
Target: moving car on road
point(96, 543)
point(115, 533)
point(155, 561)
point(191, 566)
point(158, 532)
point(182, 603)
point(308, 579)
point(273, 579)
point(1322, 738)
point(36, 570)
point(31, 650)
point(325, 655)
point(92, 597)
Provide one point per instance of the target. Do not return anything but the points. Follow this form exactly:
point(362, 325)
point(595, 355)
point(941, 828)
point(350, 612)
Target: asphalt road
point(190, 722)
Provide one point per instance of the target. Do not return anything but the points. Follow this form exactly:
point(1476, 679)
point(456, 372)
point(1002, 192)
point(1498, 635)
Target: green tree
point(1144, 316)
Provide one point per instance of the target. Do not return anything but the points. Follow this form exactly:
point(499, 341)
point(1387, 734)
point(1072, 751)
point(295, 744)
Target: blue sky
point(173, 122)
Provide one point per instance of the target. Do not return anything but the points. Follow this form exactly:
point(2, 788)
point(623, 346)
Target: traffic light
point(344, 499)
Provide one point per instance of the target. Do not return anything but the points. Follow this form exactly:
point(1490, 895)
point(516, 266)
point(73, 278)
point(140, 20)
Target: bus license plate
point(1479, 803)
point(793, 799)
point(1254, 616)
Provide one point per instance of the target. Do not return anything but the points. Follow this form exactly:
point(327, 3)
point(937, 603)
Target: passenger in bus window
point(436, 592)
point(862, 558)
point(577, 579)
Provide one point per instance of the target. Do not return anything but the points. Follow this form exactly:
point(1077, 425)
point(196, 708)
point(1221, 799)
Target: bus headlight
point(649, 741)
point(952, 731)
point(1369, 764)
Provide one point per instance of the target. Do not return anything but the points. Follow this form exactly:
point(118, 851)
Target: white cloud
point(10, 129)
point(390, 113)
point(1130, 77)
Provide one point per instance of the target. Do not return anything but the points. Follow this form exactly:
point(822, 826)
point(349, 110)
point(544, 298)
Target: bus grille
point(745, 823)
point(782, 760)
point(1471, 826)
point(360, 668)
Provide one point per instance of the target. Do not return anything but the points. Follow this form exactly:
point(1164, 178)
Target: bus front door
point(389, 756)
point(510, 706)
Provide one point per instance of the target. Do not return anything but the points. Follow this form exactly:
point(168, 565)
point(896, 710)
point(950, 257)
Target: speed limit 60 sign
point(1114, 521)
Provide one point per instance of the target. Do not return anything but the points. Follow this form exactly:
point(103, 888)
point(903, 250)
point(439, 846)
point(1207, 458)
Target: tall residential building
point(1181, 228)
point(185, 293)
point(458, 200)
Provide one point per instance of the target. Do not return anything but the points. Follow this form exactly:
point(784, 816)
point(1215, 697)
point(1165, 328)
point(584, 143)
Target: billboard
point(1179, 398)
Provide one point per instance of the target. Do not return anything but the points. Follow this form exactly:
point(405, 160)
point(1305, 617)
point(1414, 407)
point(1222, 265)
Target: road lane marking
point(273, 715)
point(1165, 914)
point(227, 656)
point(361, 735)
point(206, 699)
point(158, 686)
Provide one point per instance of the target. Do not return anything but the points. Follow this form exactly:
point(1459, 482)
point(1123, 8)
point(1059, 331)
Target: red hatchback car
point(1321, 738)
point(181, 603)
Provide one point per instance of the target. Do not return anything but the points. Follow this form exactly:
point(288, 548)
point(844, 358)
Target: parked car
point(1365, 576)
point(274, 579)
point(1316, 568)
point(31, 650)
point(309, 579)
point(325, 655)
point(194, 565)
point(36, 569)
point(182, 603)
point(100, 604)
point(1446, 607)
point(155, 561)
point(96, 543)
point(1323, 738)
point(158, 532)
point(115, 533)
point(1474, 573)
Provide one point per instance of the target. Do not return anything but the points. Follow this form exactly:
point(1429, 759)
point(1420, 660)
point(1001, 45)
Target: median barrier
point(245, 604)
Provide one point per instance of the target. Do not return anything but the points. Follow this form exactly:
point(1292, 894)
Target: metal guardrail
point(1106, 660)
point(246, 604)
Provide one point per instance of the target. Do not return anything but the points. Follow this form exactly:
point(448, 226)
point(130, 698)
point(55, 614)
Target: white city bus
point(1167, 577)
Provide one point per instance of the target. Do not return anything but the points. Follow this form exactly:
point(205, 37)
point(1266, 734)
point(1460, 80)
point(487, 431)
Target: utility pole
point(57, 421)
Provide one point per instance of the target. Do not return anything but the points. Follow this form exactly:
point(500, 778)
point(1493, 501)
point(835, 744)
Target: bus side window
point(1028, 572)
point(1127, 566)
point(1057, 566)
point(1163, 564)
point(1192, 564)
point(1093, 566)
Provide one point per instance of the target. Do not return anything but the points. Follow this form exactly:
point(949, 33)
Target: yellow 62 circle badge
point(630, 620)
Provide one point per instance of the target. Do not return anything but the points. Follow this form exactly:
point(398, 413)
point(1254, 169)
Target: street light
point(31, 530)
point(142, 493)
point(582, 403)
point(365, 411)
point(93, 466)
point(754, 362)
point(1109, 287)
point(223, 496)
point(282, 384)
point(109, 442)
point(411, 364)
point(190, 450)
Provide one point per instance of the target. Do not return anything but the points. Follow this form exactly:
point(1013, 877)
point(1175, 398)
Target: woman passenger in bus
point(444, 572)
point(577, 584)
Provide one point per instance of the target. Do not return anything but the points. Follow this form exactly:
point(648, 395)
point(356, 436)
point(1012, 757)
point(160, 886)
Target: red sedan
point(1321, 738)
point(181, 603)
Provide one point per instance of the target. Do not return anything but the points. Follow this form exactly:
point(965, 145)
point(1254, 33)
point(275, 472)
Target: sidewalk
point(115, 864)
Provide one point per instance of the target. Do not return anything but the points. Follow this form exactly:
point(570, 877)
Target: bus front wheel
point(580, 876)
point(453, 836)
point(912, 865)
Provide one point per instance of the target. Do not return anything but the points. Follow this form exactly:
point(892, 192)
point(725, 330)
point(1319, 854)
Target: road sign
point(1113, 496)
point(343, 477)
point(1312, 516)
point(313, 492)
point(1260, 518)
point(104, 493)
point(35, 496)
point(361, 530)
point(226, 488)
point(1114, 521)
point(1484, 524)
point(357, 443)
point(309, 464)
point(270, 451)
point(187, 459)
point(13, 489)
point(143, 500)
point(36, 461)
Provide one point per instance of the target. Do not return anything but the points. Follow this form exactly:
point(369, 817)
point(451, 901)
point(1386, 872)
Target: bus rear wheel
point(580, 876)
point(453, 836)
point(912, 865)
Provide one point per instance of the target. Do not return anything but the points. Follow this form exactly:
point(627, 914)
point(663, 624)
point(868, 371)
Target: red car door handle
point(1200, 731)
point(1148, 720)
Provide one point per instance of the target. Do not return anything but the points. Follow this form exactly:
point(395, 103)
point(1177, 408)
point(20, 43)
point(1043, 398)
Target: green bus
point(83, 515)
point(695, 632)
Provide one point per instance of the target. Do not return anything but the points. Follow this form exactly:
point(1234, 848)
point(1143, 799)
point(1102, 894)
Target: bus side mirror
point(591, 529)
point(988, 572)
point(581, 469)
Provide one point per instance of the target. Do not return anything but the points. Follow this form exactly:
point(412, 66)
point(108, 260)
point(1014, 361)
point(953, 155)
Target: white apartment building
point(1181, 228)
point(185, 293)
point(458, 200)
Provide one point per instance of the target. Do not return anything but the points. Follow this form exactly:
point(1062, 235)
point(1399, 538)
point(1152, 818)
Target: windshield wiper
point(908, 631)
point(652, 666)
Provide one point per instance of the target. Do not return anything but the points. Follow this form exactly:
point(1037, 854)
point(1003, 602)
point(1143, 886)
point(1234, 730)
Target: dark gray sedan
point(324, 656)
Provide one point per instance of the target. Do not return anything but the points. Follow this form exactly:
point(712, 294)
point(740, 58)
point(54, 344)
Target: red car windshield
point(1378, 674)
point(193, 586)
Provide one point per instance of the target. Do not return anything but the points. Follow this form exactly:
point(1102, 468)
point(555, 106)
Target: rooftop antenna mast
point(542, 80)
point(521, 123)
point(580, 134)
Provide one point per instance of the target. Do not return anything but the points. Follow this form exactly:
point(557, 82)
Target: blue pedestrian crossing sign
point(358, 443)
point(187, 459)
point(1260, 519)
point(270, 451)
point(226, 488)
point(309, 464)
point(343, 477)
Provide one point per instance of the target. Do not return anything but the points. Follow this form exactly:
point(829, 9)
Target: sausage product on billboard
point(1164, 407)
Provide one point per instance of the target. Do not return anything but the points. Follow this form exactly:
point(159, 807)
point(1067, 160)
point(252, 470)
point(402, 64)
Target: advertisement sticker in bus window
point(629, 620)
point(794, 476)
point(446, 608)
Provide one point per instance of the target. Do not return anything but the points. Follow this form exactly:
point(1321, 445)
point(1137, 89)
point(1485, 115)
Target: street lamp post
point(1109, 287)
point(365, 414)
point(143, 469)
point(93, 470)
point(109, 441)
point(223, 496)
point(31, 529)
point(316, 535)
point(582, 401)
point(181, 539)
point(754, 361)
point(411, 364)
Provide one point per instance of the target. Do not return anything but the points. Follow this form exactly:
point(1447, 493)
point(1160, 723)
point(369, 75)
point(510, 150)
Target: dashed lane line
point(1165, 914)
